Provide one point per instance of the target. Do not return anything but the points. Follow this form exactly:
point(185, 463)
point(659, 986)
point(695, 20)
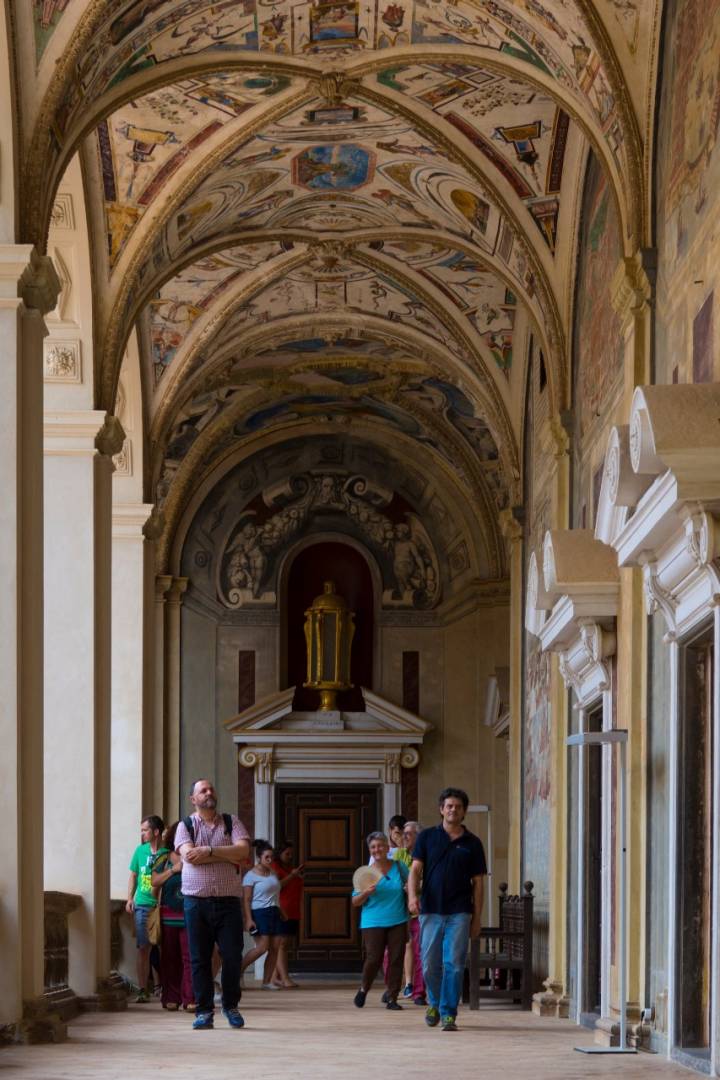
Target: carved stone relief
point(62, 361)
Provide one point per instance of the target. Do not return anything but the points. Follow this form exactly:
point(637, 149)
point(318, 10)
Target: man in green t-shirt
point(141, 899)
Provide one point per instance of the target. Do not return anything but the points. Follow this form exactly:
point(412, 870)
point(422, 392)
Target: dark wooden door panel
point(328, 827)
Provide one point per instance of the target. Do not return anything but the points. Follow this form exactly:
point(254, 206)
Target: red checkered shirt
point(211, 879)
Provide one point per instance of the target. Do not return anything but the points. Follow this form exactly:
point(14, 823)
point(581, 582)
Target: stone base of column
point(64, 1002)
point(552, 1001)
point(607, 1029)
point(40, 1023)
point(111, 996)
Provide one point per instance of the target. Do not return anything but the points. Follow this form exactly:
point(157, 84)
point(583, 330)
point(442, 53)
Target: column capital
point(155, 525)
point(162, 585)
point(82, 431)
point(633, 285)
point(26, 275)
point(555, 437)
point(111, 436)
point(511, 525)
point(176, 590)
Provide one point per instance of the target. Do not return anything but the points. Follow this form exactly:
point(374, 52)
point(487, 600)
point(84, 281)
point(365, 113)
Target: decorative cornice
point(73, 432)
point(128, 520)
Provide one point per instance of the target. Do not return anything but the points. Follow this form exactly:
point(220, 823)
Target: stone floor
point(315, 1032)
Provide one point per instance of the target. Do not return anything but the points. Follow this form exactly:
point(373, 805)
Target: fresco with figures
point(688, 179)
point(597, 337)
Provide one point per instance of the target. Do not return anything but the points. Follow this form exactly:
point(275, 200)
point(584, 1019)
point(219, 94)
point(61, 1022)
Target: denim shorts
point(141, 915)
point(267, 920)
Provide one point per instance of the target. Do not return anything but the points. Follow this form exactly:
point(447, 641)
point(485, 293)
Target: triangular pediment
point(274, 714)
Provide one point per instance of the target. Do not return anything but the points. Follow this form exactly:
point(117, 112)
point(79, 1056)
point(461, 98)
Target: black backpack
point(190, 826)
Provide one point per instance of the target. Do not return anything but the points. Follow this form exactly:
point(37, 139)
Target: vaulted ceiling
point(333, 212)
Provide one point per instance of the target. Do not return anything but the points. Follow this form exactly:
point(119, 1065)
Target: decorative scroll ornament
point(405, 548)
point(261, 761)
point(409, 757)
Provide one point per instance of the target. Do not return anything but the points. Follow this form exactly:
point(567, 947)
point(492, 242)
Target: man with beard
point(212, 847)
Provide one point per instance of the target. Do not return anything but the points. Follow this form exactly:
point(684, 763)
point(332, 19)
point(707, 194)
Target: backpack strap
point(190, 826)
point(227, 818)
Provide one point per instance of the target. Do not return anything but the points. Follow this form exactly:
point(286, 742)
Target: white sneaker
point(270, 986)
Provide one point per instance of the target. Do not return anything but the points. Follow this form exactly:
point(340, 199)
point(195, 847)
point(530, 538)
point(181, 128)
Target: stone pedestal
point(28, 289)
point(78, 472)
point(552, 1001)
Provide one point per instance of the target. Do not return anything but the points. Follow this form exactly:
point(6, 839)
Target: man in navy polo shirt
point(451, 863)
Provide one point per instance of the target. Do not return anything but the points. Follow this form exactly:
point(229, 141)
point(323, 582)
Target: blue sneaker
point(234, 1018)
point(203, 1022)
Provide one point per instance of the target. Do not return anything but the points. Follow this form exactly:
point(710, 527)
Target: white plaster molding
point(62, 215)
point(621, 486)
point(674, 447)
point(128, 520)
point(582, 573)
point(81, 431)
point(123, 459)
point(537, 601)
point(497, 710)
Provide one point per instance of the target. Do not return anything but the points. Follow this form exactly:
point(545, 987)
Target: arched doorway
point(343, 564)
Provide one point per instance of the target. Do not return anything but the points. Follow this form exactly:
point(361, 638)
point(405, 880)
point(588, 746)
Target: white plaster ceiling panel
point(185, 297)
point(519, 130)
point(143, 144)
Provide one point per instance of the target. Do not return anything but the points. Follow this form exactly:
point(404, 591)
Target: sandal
point(171, 1006)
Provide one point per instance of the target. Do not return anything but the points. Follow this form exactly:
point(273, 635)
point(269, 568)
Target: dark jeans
point(213, 920)
point(375, 940)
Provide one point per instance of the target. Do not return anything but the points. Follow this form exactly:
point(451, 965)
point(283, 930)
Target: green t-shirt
point(142, 864)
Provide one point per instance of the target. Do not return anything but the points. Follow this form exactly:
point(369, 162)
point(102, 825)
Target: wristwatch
point(209, 850)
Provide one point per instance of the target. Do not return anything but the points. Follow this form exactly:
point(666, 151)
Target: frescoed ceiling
point(332, 213)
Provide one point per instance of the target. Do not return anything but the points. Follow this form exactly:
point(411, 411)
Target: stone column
point(173, 601)
point(553, 1000)
point(633, 290)
point(513, 532)
point(128, 664)
point(78, 511)
point(28, 290)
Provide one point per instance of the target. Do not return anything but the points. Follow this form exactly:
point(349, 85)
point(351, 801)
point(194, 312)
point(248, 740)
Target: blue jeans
point(444, 943)
point(212, 920)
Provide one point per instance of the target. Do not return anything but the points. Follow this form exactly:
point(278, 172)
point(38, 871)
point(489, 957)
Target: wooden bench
point(500, 960)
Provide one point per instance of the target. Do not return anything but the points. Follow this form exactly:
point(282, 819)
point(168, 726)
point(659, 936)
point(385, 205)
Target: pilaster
point(154, 743)
point(173, 602)
point(128, 663)
point(553, 1001)
point(28, 290)
point(79, 446)
point(513, 532)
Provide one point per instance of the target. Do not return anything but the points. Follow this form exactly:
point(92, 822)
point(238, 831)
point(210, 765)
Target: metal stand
point(483, 808)
point(604, 738)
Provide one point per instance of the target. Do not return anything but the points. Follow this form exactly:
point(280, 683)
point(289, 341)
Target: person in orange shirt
point(291, 886)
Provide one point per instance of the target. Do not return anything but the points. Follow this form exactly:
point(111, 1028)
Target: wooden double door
point(328, 826)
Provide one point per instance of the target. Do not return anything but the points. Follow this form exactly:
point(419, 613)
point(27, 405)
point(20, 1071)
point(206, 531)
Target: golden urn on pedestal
point(329, 629)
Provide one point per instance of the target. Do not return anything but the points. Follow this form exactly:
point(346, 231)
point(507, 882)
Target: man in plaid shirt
point(212, 850)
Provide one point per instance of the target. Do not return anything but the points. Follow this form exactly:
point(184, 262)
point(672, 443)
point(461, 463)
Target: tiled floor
point(315, 1032)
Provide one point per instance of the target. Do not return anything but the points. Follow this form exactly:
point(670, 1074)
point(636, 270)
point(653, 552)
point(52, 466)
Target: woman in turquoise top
point(383, 921)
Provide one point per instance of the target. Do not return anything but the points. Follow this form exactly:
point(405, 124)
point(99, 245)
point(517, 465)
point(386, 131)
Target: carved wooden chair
point(500, 960)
